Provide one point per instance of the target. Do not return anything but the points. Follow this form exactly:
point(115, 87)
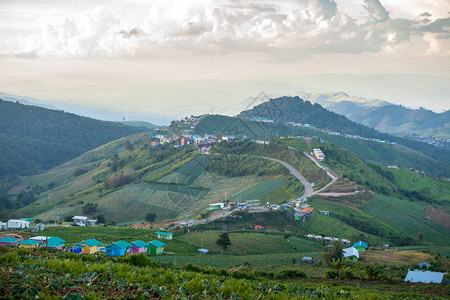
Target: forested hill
point(33, 138)
point(294, 109)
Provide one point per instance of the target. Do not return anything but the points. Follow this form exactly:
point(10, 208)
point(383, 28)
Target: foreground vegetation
point(54, 274)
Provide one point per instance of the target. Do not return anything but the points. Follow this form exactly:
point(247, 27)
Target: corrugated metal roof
point(91, 242)
point(121, 245)
point(8, 240)
point(361, 244)
point(28, 242)
point(352, 251)
point(157, 244)
point(163, 233)
point(424, 276)
point(140, 244)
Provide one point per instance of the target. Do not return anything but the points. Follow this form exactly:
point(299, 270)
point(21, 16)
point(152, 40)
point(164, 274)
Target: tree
point(224, 241)
point(68, 218)
point(90, 208)
point(150, 217)
point(333, 253)
point(128, 146)
point(419, 238)
point(101, 219)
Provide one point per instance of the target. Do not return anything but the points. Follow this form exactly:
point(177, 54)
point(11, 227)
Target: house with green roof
point(155, 247)
point(8, 241)
point(164, 235)
point(89, 246)
point(119, 248)
point(139, 247)
point(28, 244)
point(53, 242)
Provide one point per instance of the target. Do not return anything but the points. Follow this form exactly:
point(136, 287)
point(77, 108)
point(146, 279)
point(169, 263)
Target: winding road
point(308, 187)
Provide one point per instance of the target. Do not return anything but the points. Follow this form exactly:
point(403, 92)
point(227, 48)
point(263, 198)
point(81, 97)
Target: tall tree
point(150, 217)
point(224, 241)
point(419, 238)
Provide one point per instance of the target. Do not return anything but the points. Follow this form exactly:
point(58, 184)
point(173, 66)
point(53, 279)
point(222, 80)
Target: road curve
point(308, 187)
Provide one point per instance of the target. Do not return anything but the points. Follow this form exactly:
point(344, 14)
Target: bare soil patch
point(437, 215)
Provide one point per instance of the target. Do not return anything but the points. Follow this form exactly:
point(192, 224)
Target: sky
point(172, 58)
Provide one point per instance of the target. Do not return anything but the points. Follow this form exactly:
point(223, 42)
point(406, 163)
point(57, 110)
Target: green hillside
point(34, 139)
point(380, 153)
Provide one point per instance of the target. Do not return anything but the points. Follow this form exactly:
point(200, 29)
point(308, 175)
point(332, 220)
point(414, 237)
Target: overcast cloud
point(170, 28)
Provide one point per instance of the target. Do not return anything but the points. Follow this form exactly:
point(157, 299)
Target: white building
point(18, 224)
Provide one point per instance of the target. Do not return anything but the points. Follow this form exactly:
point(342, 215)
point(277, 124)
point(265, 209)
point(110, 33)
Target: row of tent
point(90, 246)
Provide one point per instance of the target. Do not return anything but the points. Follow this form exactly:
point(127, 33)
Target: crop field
point(241, 243)
point(266, 261)
point(31, 274)
point(224, 188)
point(133, 202)
point(209, 180)
point(188, 172)
point(178, 188)
point(258, 190)
point(408, 217)
point(327, 225)
point(438, 189)
point(396, 258)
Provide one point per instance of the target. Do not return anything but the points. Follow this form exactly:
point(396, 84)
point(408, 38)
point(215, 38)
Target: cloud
point(376, 11)
point(173, 28)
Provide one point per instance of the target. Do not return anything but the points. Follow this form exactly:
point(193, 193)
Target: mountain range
point(384, 116)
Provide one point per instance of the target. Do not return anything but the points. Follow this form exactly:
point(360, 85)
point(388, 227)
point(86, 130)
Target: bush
point(289, 273)
point(331, 274)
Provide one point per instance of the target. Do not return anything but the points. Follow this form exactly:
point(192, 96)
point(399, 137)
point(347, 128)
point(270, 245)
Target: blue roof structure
point(424, 265)
point(203, 251)
point(361, 244)
point(121, 245)
point(91, 243)
point(163, 233)
point(424, 276)
point(157, 244)
point(57, 239)
point(140, 244)
point(29, 242)
point(8, 240)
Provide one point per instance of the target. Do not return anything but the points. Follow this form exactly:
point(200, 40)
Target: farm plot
point(329, 226)
point(226, 261)
point(187, 173)
point(133, 202)
point(408, 218)
point(258, 190)
point(241, 243)
point(219, 192)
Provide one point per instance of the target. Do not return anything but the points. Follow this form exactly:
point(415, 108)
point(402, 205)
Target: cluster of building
point(352, 253)
point(319, 154)
point(328, 238)
point(261, 119)
point(92, 246)
point(16, 224)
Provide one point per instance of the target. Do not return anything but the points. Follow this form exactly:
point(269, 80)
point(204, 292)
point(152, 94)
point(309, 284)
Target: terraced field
point(258, 190)
point(187, 173)
point(408, 217)
point(133, 202)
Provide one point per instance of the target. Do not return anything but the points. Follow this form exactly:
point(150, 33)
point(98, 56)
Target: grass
point(408, 217)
